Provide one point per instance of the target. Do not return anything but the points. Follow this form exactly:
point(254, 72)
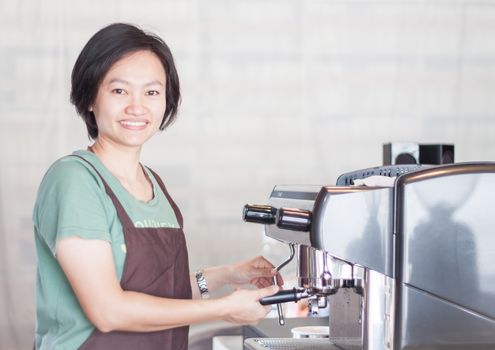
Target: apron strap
point(170, 200)
point(121, 213)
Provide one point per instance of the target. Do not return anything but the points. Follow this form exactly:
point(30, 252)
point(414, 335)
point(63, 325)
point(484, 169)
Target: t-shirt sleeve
point(71, 202)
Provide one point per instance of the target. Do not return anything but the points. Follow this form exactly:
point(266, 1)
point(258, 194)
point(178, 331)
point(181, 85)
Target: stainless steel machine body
point(404, 267)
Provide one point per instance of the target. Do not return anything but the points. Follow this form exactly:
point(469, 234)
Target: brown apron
point(157, 264)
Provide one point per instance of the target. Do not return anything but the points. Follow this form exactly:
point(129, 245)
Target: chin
point(135, 143)
point(132, 142)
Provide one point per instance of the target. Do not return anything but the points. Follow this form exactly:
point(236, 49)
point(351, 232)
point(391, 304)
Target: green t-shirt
point(72, 202)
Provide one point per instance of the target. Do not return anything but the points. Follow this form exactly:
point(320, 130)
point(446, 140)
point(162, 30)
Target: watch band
point(203, 287)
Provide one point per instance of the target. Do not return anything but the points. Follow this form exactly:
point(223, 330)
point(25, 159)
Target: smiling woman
point(131, 99)
point(103, 51)
point(113, 268)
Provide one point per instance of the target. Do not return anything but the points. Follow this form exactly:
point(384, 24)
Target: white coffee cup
point(310, 332)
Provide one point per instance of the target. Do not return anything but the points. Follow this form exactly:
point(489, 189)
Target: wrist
point(222, 308)
point(219, 276)
point(229, 274)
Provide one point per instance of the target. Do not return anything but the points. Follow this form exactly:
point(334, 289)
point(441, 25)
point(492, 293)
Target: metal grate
point(301, 344)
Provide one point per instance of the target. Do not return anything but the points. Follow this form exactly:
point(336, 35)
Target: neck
point(123, 162)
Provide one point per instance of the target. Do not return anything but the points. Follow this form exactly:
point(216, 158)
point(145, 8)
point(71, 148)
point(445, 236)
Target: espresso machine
point(410, 266)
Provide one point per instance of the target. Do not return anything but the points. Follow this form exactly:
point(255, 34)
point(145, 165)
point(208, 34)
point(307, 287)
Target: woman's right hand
point(243, 306)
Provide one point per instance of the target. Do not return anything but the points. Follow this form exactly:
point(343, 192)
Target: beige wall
point(292, 91)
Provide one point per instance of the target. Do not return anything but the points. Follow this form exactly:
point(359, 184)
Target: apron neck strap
point(170, 200)
point(121, 213)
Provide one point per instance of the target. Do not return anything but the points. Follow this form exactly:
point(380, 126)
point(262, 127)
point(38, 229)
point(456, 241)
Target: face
point(130, 103)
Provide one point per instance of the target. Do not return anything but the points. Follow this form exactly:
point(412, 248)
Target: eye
point(119, 91)
point(153, 93)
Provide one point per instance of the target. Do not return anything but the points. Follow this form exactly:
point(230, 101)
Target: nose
point(135, 106)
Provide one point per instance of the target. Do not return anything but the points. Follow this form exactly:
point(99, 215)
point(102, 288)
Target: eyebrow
point(116, 80)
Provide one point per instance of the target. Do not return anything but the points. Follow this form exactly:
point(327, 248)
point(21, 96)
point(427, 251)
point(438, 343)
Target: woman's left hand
point(257, 271)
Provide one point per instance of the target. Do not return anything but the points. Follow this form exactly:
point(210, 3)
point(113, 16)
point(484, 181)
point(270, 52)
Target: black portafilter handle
point(284, 296)
point(261, 214)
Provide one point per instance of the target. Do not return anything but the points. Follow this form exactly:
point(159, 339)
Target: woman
point(112, 260)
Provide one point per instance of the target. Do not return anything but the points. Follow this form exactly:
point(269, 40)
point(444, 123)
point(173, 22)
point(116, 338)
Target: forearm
point(257, 271)
point(109, 307)
point(216, 277)
point(139, 312)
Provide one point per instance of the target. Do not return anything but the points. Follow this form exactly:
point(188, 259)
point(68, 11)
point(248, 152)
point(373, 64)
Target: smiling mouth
point(133, 124)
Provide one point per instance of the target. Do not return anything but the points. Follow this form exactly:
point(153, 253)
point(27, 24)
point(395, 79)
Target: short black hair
point(105, 48)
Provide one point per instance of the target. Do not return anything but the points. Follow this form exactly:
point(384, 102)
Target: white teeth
point(129, 123)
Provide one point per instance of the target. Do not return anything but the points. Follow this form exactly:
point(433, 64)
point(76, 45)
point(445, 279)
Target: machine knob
point(294, 219)
point(262, 214)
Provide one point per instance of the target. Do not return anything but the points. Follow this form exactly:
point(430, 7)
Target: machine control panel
point(347, 179)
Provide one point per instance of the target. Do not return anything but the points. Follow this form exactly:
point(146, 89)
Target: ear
point(90, 108)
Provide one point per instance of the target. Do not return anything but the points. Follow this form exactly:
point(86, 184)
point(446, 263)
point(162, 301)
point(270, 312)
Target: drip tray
point(302, 344)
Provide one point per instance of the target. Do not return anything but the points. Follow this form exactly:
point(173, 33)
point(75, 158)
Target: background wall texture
point(274, 92)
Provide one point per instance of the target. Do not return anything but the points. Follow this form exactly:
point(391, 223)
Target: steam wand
point(281, 319)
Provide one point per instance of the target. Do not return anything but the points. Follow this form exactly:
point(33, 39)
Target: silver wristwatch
point(203, 287)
